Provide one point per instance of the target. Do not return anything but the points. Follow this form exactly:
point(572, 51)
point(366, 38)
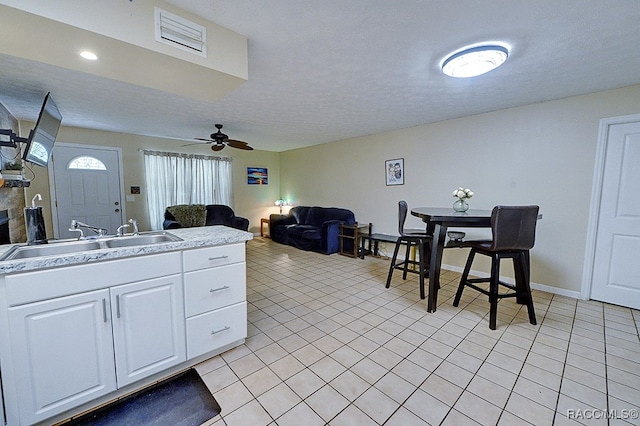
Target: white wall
point(133, 22)
point(538, 154)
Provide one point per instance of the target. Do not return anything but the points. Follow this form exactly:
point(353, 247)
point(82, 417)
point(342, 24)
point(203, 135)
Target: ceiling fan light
point(474, 61)
point(88, 55)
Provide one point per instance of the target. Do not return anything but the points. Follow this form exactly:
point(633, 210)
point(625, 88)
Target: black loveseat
point(200, 215)
point(310, 228)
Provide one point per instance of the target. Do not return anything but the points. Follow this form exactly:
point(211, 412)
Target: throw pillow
point(189, 215)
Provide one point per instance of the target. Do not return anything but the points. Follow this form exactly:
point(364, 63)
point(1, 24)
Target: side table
point(264, 221)
point(351, 234)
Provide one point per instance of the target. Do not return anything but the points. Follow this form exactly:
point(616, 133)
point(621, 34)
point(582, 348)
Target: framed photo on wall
point(394, 171)
point(257, 176)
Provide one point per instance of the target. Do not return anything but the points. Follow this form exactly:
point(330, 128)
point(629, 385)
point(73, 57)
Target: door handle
point(117, 210)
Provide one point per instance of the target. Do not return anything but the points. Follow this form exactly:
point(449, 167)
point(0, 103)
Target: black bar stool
point(514, 230)
point(412, 239)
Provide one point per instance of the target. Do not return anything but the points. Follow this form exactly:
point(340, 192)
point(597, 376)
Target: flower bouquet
point(462, 195)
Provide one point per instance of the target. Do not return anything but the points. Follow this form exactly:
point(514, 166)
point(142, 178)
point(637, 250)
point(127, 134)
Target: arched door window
point(84, 162)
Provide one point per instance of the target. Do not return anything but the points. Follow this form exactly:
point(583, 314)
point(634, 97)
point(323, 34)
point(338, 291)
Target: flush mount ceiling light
point(88, 55)
point(474, 61)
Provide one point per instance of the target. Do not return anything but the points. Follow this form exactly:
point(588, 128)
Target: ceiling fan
point(219, 141)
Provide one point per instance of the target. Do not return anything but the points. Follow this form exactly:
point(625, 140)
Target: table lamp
point(280, 202)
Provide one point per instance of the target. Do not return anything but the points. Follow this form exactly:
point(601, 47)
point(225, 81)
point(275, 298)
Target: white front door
point(616, 261)
point(87, 185)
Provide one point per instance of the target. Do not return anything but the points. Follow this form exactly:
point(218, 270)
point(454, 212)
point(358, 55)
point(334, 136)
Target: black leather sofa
point(310, 228)
point(216, 214)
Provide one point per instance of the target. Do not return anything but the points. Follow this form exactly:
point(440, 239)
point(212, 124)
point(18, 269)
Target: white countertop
point(204, 236)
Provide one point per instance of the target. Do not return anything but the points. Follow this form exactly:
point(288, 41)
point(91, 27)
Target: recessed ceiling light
point(88, 55)
point(474, 61)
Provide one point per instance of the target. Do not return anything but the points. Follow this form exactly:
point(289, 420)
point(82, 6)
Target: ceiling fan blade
point(220, 140)
point(236, 144)
point(245, 147)
point(195, 143)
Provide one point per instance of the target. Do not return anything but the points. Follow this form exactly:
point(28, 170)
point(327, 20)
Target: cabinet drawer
point(50, 283)
point(213, 256)
point(213, 330)
point(214, 288)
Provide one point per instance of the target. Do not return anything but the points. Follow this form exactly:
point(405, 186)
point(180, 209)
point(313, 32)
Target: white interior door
point(88, 188)
point(616, 267)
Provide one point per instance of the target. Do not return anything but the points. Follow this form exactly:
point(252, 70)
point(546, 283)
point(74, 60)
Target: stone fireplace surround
point(12, 199)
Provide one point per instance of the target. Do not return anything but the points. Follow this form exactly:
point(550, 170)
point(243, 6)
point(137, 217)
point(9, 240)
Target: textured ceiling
point(322, 71)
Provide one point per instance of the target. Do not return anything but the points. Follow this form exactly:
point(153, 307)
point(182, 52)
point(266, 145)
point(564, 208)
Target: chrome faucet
point(121, 228)
point(134, 223)
point(80, 233)
point(75, 225)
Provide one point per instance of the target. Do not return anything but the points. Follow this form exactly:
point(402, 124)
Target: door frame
point(596, 195)
point(52, 183)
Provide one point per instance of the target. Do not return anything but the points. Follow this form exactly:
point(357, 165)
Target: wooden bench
point(376, 239)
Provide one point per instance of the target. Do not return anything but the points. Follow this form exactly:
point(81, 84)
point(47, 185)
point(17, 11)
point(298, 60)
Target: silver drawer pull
point(213, 290)
point(219, 257)
point(221, 330)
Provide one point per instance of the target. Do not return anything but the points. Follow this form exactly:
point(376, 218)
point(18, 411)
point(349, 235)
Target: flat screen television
point(43, 136)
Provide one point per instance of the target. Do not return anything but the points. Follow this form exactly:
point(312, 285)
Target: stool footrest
point(469, 282)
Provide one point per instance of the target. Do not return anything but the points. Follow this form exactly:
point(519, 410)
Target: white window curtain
point(174, 178)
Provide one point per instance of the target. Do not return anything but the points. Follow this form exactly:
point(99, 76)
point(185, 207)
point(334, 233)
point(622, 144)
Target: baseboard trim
point(535, 286)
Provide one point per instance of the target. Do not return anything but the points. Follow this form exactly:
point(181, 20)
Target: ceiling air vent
point(181, 33)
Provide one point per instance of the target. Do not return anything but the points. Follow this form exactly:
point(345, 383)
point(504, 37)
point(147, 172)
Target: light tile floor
point(328, 344)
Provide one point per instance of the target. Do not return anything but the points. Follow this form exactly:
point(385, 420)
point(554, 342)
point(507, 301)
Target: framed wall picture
point(394, 171)
point(257, 176)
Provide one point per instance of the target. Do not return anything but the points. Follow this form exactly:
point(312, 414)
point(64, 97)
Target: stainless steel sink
point(25, 252)
point(141, 240)
point(76, 246)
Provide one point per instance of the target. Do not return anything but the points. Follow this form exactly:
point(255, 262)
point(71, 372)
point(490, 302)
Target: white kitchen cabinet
point(213, 288)
point(76, 336)
point(148, 327)
point(72, 349)
point(215, 298)
point(211, 257)
point(2, 419)
point(62, 353)
point(216, 329)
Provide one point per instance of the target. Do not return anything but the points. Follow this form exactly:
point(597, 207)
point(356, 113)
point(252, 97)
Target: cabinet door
point(2, 419)
point(148, 327)
point(63, 353)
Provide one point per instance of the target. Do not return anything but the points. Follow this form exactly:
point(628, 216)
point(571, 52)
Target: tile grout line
point(328, 277)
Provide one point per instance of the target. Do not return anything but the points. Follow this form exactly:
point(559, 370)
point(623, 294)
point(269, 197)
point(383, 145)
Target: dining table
point(438, 220)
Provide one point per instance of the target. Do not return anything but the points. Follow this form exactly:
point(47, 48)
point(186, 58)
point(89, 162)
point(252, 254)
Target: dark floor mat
point(182, 400)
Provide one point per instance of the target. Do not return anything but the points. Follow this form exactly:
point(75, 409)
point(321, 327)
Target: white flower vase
point(460, 205)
